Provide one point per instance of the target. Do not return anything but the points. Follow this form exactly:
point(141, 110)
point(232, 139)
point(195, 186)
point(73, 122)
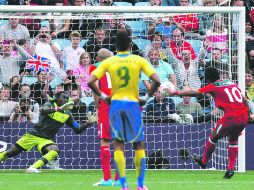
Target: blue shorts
point(125, 121)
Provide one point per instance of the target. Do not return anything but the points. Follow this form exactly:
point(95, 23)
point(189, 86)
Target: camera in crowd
point(24, 105)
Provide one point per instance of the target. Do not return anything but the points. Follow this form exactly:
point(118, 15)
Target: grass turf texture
point(155, 180)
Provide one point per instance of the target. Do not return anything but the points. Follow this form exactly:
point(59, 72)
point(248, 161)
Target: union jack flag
point(38, 63)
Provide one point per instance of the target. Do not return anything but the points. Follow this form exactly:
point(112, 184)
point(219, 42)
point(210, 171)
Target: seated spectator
point(71, 54)
point(156, 44)
point(249, 84)
point(23, 113)
point(178, 44)
point(92, 46)
point(14, 30)
point(158, 109)
point(14, 87)
point(187, 22)
point(217, 61)
point(44, 47)
point(6, 106)
point(166, 27)
point(205, 20)
point(189, 107)
point(218, 34)
point(25, 92)
point(170, 3)
point(163, 69)
point(38, 88)
point(79, 107)
point(82, 72)
point(249, 40)
point(58, 25)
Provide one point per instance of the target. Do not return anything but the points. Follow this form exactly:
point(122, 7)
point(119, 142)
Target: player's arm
point(155, 84)
point(78, 128)
point(190, 92)
point(48, 108)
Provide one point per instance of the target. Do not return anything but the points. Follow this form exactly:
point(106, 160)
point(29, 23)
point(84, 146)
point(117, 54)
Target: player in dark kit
point(54, 115)
point(228, 98)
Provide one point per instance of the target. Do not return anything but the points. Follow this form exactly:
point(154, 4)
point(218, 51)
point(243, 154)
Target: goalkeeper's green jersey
point(49, 124)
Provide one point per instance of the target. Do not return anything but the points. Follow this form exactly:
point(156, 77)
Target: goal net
point(173, 135)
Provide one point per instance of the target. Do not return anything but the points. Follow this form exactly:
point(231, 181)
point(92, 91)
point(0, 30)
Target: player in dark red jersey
point(103, 122)
point(228, 98)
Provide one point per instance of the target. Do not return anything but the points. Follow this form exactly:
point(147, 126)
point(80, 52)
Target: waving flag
point(38, 63)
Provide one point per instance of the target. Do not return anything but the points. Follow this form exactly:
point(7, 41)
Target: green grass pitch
point(155, 180)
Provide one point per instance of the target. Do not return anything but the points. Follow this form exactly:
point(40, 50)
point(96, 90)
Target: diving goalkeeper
point(54, 115)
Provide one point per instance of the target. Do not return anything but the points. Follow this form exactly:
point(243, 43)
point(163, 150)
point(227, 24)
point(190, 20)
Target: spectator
point(187, 70)
point(44, 47)
point(79, 107)
point(217, 61)
point(205, 20)
point(25, 92)
point(166, 27)
point(71, 54)
point(218, 34)
point(23, 113)
point(249, 85)
point(10, 65)
point(178, 44)
point(84, 26)
point(163, 69)
point(6, 106)
point(189, 107)
point(37, 88)
point(92, 46)
point(170, 3)
point(187, 22)
point(14, 87)
point(156, 44)
point(249, 39)
point(58, 26)
point(82, 72)
point(158, 109)
point(14, 30)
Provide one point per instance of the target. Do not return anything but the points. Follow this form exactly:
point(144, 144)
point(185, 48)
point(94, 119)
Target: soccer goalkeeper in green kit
point(53, 115)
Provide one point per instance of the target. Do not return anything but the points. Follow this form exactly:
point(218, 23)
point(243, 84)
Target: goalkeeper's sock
point(140, 164)
point(120, 167)
point(3, 156)
point(209, 149)
point(232, 154)
point(45, 159)
point(105, 162)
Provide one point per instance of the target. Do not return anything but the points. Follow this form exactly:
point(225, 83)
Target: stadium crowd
point(179, 47)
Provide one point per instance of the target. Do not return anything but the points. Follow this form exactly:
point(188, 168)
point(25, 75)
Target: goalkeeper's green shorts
point(28, 141)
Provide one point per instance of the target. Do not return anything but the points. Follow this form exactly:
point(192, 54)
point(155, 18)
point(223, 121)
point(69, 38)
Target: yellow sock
point(140, 164)
point(120, 162)
point(49, 156)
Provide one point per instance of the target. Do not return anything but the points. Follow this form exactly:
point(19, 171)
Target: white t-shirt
point(71, 57)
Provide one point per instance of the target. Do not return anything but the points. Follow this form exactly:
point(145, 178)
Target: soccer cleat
point(117, 183)
point(32, 170)
point(142, 188)
point(198, 160)
point(54, 165)
point(229, 174)
point(92, 118)
point(102, 182)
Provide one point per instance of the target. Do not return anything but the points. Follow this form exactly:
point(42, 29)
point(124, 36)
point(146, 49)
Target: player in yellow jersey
point(125, 115)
